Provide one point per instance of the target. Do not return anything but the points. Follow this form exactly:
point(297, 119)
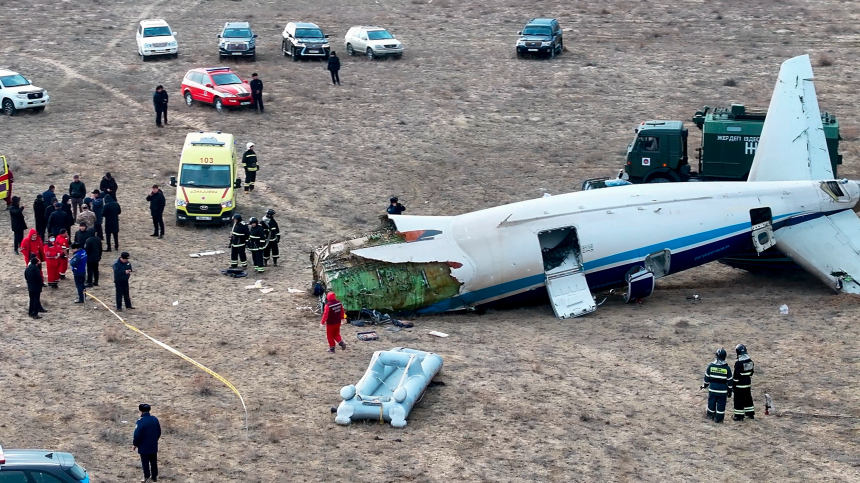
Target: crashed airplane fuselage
point(577, 243)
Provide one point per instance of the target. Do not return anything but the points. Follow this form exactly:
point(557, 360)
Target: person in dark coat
point(81, 235)
point(395, 207)
point(50, 206)
point(108, 186)
point(58, 220)
point(66, 205)
point(16, 215)
point(39, 214)
point(156, 209)
point(111, 214)
point(121, 274)
point(33, 275)
point(93, 247)
point(334, 68)
point(159, 101)
point(49, 196)
point(77, 192)
point(145, 441)
point(257, 92)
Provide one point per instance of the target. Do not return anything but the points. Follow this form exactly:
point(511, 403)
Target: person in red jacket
point(53, 255)
point(63, 243)
point(32, 244)
point(333, 316)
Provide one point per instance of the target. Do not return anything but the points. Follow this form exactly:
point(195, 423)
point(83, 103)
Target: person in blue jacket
point(145, 442)
point(79, 269)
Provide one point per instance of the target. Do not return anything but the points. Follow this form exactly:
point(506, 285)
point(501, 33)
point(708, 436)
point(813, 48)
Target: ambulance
point(207, 179)
point(5, 180)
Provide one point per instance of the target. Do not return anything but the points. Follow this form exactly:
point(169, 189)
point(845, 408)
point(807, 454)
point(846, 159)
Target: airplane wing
point(792, 146)
point(827, 247)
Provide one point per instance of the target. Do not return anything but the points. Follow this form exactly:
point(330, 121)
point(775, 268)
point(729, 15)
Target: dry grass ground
point(458, 124)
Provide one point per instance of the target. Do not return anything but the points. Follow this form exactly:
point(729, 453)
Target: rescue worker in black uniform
point(257, 92)
point(274, 237)
point(256, 240)
point(249, 162)
point(744, 369)
point(718, 380)
point(394, 207)
point(238, 239)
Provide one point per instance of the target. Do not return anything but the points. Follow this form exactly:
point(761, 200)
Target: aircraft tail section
point(792, 146)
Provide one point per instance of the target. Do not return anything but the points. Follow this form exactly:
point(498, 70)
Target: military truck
point(658, 153)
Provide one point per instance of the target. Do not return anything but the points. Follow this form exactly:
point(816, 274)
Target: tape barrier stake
point(183, 356)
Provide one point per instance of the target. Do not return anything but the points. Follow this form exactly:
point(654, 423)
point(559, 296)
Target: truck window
point(649, 143)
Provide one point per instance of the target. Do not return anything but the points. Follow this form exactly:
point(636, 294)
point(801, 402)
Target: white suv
point(373, 42)
point(17, 93)
point(154, 37)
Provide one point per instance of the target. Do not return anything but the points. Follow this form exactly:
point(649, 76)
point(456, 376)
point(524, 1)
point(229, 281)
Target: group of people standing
point(722, 382)
point(261, 237)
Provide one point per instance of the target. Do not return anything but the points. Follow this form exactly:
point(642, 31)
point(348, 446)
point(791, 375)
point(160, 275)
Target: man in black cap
point(145, 442)
point(159, 100)
point(257, 92)
point(394, 206)
point(121, 274)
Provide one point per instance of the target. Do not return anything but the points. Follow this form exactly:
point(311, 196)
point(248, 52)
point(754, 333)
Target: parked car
point(218, 86)
point(305, 39)
point(154, 37)
point(40, 465)
point(373, 42)
point(17, 93)
point(237, 39)
point(540, 36)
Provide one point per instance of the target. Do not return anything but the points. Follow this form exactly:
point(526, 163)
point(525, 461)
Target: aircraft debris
point(438, 334)
point(783, 309)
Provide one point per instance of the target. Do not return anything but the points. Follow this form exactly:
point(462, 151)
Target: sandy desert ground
point(457, 125)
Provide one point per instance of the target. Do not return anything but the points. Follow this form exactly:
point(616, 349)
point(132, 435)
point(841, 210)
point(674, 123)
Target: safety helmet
point(252, 220)
point(394, 199)
point(270, 212)
point(721, 354)
point(249, 145)
point(740, 349)
point(237, 217)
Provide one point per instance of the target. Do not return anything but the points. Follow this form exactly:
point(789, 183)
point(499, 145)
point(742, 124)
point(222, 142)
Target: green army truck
point(658, 153)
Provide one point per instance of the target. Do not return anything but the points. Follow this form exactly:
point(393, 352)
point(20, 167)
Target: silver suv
point(305, 39)
point(40, 465)
point(237, 39)
point(373, 42)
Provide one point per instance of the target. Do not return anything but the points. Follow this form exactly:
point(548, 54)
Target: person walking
point(58, 219)
point(145, 442)
point(332, 318)
point(79, 270)
point(32, 245)
point(19, 224)
point(256, 239)
point(238, 238)
point(93, 247)
point(249, 162)
point(273, 238)
point(111, 213)
point(156, 209)
point(121, 273)
point(744, 370)
point(394, 206)
point(159, 100)
point(718, 380)
point(63, 242)
point(108, 186)
point(33, 276)
point(77, 193)
point(49, 196)
point(97, 206)
point(39, 214)
point(257, 92)
point(334, 68)
point(53, 255)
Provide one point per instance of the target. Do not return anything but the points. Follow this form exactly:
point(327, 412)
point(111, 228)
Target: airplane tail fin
point(792, 146)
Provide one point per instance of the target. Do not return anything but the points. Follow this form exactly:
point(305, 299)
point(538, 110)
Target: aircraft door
point(762, 229)
point(565, 281)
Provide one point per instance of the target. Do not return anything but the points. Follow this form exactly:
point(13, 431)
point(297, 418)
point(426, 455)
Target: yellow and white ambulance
point(207, 180)
point(5, 180)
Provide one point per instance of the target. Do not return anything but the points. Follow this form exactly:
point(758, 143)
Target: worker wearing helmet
point(249, 162)
point(256, 241)
point(718, 380)
point(394, 206)
point(273, 237)
point(744, 369)
point(238, 239)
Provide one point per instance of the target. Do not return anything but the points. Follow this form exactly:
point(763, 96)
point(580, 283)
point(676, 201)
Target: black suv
point(540, 36)
point(40, 465)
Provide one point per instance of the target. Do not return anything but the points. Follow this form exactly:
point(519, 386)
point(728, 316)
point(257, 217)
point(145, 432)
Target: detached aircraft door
point(568, 290)
point(762, 229)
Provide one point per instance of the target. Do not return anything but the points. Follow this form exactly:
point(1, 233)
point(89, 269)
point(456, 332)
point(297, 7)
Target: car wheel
point(9, 107)
point(659, 179)
point(284, 48)
point(295, 54)
point(398, 56)
point(349, 50)
point(39, 109)
point(552, 53)
point(188, 99)
point(143, 58)
point(254, 57)
point(519, 54)
point(370, 53)
point(219, 106)
point(561, 47)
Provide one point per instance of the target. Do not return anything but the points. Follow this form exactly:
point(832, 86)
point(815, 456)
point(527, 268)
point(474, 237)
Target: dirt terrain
point(458, 124)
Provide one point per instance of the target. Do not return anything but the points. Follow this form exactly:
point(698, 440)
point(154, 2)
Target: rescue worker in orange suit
point(718, 380)
point(63, 243)
point(238, 239)
point(744, 370)
point(333, 315)
point(53, 255)
point(32, 245)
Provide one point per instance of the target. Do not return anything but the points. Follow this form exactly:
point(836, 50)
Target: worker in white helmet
point(249, 162)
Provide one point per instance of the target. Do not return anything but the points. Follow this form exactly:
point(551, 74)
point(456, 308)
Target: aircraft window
point(649, 143)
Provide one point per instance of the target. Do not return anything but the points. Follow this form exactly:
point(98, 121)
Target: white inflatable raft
point(393, 383)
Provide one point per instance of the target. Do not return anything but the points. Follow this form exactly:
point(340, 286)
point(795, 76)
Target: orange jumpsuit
point(63, 242)
point(53, 255)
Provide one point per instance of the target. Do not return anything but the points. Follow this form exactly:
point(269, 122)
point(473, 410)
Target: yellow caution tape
point(171, 349)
